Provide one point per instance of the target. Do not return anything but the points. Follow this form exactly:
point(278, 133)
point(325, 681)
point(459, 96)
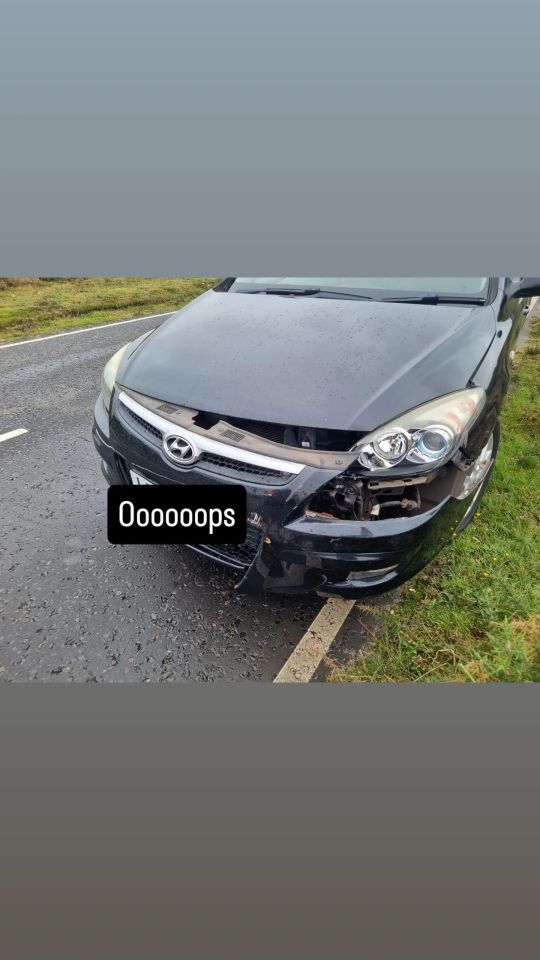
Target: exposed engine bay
point(307, 438)
point(354, 497)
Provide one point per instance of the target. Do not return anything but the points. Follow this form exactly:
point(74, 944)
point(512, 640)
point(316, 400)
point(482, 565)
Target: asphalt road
point(74, 607)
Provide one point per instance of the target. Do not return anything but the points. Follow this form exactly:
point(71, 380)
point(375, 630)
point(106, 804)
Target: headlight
point(108, 377)
point(428, 434)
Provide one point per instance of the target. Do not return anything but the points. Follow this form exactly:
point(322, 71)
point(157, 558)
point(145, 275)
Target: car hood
point(339, 364)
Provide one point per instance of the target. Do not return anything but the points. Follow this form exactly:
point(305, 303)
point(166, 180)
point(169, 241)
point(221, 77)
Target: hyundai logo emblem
point(180, 450)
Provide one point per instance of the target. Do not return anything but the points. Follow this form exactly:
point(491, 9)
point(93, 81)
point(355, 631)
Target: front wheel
point(483, 466)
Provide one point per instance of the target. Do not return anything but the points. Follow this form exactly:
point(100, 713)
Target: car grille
point(149, 427)
point(216, 463)
point(240, 556)
point(215, 460)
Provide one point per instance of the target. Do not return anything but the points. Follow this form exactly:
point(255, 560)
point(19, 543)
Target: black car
point(360, 414)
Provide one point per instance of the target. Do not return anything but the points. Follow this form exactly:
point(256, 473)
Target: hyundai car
point(360, 413)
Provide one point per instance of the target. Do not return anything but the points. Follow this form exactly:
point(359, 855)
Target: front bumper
point(287, 551)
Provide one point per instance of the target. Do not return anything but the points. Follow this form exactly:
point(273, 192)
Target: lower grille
point(240, 556)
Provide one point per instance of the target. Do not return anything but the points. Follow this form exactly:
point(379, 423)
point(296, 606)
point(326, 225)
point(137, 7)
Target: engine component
point(350, 497)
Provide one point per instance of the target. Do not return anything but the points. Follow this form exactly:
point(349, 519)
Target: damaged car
point(360, 414)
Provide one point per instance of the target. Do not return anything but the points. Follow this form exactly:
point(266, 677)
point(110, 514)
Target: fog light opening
point(355, 576)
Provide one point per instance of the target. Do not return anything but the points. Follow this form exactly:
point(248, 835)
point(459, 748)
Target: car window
point(376, 287)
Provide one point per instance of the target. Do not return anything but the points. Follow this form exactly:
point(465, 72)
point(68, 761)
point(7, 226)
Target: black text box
point(176, 514)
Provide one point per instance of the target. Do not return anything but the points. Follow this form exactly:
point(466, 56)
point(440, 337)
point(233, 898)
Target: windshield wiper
point(291, 291)
point(434, 299)
point(312, 292)
point(343, 295)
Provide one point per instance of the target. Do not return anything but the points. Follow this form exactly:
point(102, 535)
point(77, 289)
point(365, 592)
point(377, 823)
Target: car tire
point(479, 495)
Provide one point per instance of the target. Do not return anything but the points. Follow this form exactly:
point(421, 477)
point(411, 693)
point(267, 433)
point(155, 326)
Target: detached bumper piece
point(237, 556)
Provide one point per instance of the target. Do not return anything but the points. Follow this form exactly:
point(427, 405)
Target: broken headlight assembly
point(428, 435)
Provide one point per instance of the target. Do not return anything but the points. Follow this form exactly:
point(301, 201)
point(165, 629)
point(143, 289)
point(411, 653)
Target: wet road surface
point(73, 606)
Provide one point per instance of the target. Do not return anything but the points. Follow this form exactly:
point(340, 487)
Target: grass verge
point(475, 615)
point(31, 306)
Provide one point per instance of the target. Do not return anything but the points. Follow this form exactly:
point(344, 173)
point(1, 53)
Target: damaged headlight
point(429, 434)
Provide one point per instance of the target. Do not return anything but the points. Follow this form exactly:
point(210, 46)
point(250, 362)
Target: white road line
point(71, 333)
point(316, 642)
point(12, 433)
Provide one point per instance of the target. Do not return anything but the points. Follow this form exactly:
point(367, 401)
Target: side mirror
point(524, 287)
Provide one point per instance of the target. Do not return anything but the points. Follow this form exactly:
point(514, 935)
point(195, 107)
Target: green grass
point(475, 614)
point(32, 306)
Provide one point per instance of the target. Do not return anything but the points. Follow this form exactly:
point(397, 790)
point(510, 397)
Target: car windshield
point(372, 288)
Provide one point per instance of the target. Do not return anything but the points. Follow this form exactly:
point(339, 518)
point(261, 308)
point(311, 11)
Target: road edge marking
point(71, 333)
point(316, 642)
point(12, 433)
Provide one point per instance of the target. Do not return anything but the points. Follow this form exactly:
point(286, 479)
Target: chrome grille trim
point(207, 444)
